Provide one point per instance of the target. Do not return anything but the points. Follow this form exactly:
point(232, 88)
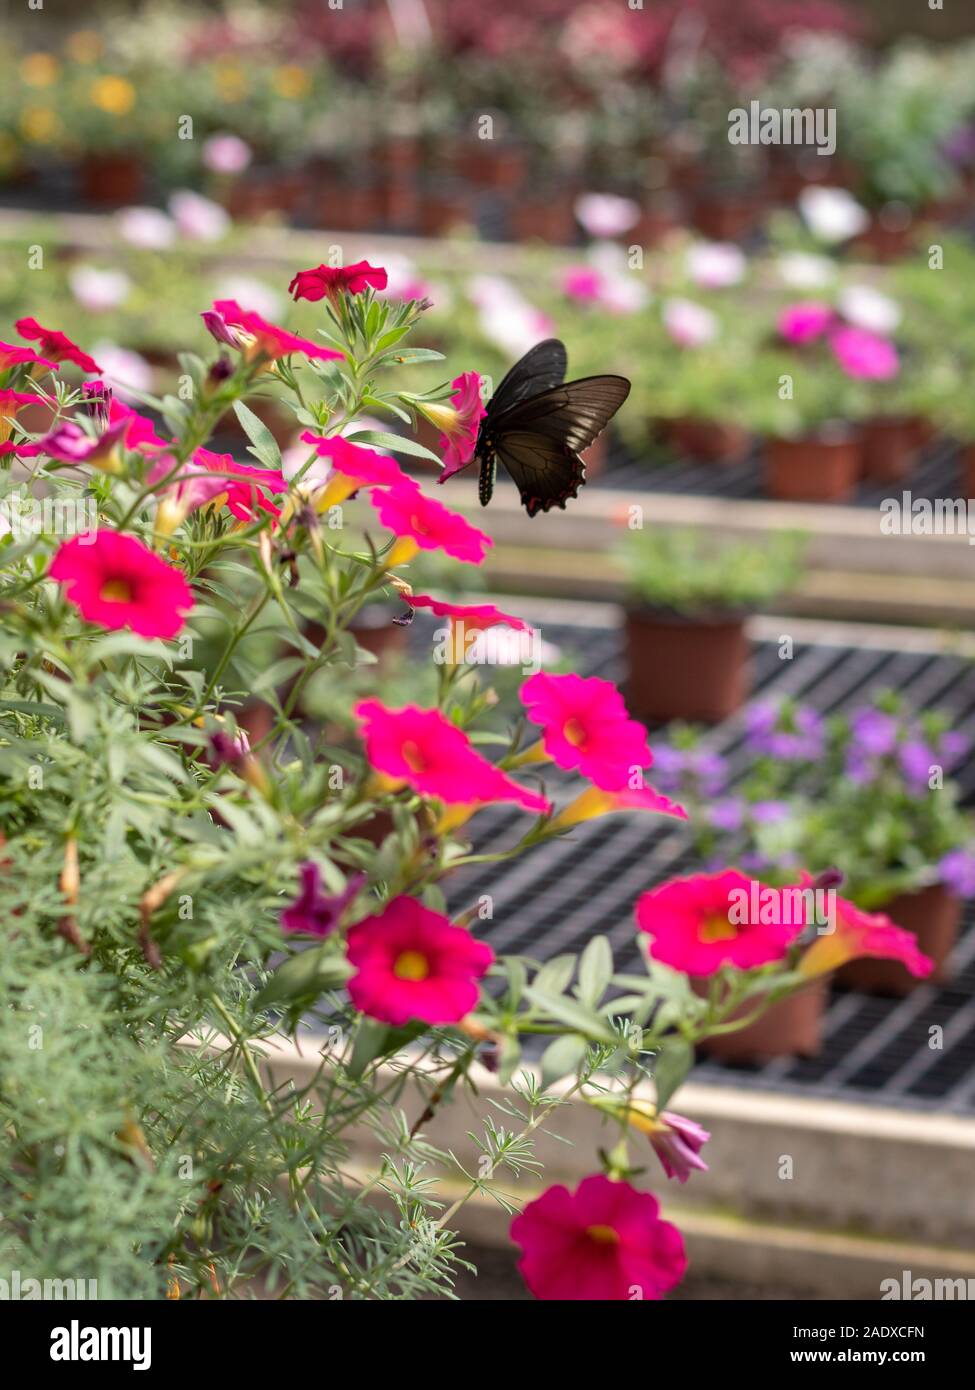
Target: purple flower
point(68, 442)
point(917, 758)
point(677, 1142)
point(728, 815)
point(97, 396)
point(708, 769)
point(875, 732)
point(228, 750)
point(668, 765)
point(801, 740)
point(768, 812)
point(675, 768)
point(313, 912)
point(957, 871)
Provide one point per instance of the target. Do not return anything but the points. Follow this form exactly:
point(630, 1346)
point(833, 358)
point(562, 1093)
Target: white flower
point(605, 214)
point(125, 371)
point(97, 290)
point(148, 228)
point(507, 318)
point(197, 217)
point(688, 323)
point(802, 270)
point(832, 214)
point(252, 294)
point(715, 264)
point(868, 308)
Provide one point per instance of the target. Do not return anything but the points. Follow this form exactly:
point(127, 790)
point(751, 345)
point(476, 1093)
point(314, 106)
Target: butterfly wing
point(541, 368)
point(539, 439)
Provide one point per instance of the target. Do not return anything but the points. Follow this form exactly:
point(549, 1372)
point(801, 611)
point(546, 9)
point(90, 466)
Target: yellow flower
point(84, 46)
point(230, 81)
point(39, 69)
point(40, 124)
point(291, 81)
point(116, 95)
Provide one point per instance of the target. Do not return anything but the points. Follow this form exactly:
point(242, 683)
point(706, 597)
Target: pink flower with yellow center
point(422, 524)
point(14, 355)
point(353, 467)
point(335, 280)
point(700, 924)
point(412, 963)
point(116, 581)
point(246, 487)
point(586, 726)
point(56, 345)
point(475, 616)
point(458, 423)
point(420, 747)
point(228, 323)
point(594, 802)
point(69, 443)
point(856, 934)
point(605, 1241)
point(676, 1140)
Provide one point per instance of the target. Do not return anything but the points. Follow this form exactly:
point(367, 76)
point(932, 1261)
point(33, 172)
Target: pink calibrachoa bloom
point(140, 432)
point(117, 582)
point(413, 963)
point(247, 487)
point(677, 1141)
point(857, 933)
point(805, 322)
point(69, 443)
point(864, 355)
point(605, 1241)
point(458, 422)
point(11, 402)
point(15, 355)
point(423, 749)
point(352, 466)
point(692, 924)
point(314, 912)
point(335, 280)
point(423, 524)
point(583, 283)
point(57, 345)
point(595, 802)
point(228, 323)
point(473, 615)
point(585, 725)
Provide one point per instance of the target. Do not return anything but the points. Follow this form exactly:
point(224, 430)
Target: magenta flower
point(14, 355)
point(246, 487)
point(140, 432)
point(698, 924)
point(865, 356)
point(313, 912)
point(472, 615)
point(803, 323)
point(583, 283)
point(458, 422)
point(332, 281)
point(56, 345)
point(117, 582)
point(97, 397)
point(68, 443)
point(677, 1141)
point(423, 749)
point(412, 963)
point(856, 934)
point(585, 725)
point(427, 525)
point(605, 1241)
point(228, 323)
point(364, 467)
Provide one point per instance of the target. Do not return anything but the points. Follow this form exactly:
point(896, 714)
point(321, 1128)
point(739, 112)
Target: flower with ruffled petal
point(594, 802)
point(422, 524)
point(605, 1241)
point(414, 964)
point(241, 328)
point(314, 912)
point(421, 748)
point(474, 616)
point(333, 281)
point(352, 466)
point(56, 345)
point(15, 355)
point(701, 923)
point(459, 422)
point(864, 355)
point(117, 582)
point(11, 403)
point(586, 727)
point(805, 322)
point(677, 1141)
point(856, 934)
point(69, 443)
point(246, 485)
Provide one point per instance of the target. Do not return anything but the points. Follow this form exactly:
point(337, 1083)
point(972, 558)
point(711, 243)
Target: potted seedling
point(687, 602)
point(804, 405)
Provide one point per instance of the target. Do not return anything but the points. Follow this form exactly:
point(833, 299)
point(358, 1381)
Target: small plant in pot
point(685, 611)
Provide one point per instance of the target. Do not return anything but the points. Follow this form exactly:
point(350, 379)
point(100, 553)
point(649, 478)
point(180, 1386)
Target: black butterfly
point(537, 424)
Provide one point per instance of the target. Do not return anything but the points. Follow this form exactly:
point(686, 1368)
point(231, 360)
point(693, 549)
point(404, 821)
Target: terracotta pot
point(264, 191)
point(438, 214)
point(725, 217)
point(111, 178)
point(791, 1027)
point(888, 447)
point(968, 471)
point(885, 242)
point(655, 225)
point(347, 207)
point(491, 165)
point(375, 829)
point(712, 441)
point(550, 220)
point(682, 668)
point(812, 469)
point(933, 915)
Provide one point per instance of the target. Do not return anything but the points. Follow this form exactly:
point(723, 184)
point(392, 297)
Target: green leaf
point(555, 974)
point(278, 673)
point(595, 970)
point(670, 1068)
point(562, 1057)
point(575, 1015)
point(265, 445)
point(369, 1042)
point(396, 444)
point(305, 975)
point(418, 355)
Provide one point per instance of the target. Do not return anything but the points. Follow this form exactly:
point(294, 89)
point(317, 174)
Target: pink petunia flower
point(11, 403)
point(585, 725)
point(427, 525)
point(805, 322)
point(352, 466)
point(699, 924)
point(68, 443)
point(246, 487)
point(117, 582)
point(225, 153)
point(606, 214)
point(228, 323)
point(605, 1241)
point(856, 934)
point(140, 432)
point(57, 345)
point(584, 284)
point(412, 963)
point(865, 356)
point(458, 422)
point(314, 912)
point(423, 749)
point(473, 615)
point(677, 1141)
point(15, 355)
point(332, 281)
point(690, 324)
point(199, 218)
point(595, 802)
